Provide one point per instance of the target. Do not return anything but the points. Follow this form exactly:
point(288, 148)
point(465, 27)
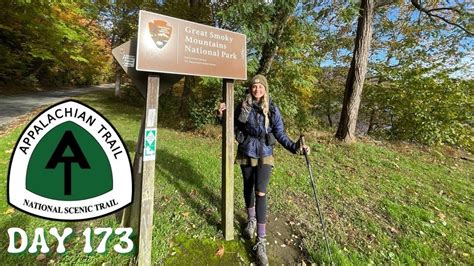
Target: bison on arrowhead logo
point(160, 32)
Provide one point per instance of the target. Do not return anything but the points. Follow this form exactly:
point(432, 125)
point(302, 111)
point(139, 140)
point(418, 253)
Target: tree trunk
point(189, 81)
point(375, 108)
point(330, 120)
point(118, 79)
point(356, 75)
point(270, 48)
point(187, 89)
point(372, 119)
point(328, 107)
point(268, 53)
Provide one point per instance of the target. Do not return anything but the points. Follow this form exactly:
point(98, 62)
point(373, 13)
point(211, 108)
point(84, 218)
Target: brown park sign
point(175, 46)
point(126, 55)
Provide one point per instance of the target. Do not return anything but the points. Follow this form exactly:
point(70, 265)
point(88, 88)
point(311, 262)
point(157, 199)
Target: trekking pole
point(321, 218)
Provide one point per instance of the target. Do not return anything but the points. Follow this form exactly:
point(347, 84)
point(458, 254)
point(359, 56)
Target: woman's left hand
point(306, 149)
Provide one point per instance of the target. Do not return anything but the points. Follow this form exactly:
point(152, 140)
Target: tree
point(413, 43)
point(356, 75)
point(120, 19)
point(265, 25)
point(45, 44)
point(443, 13)
point(283, 11)
point(402, 42)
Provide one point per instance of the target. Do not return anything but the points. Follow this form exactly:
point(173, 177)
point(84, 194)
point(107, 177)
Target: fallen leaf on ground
point(220, 251)
point(41, 257)
point(9, 211)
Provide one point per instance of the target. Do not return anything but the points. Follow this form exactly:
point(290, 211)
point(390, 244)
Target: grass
point(383, 203)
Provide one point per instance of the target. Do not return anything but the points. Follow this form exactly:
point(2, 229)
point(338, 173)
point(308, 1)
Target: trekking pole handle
point(303, 144)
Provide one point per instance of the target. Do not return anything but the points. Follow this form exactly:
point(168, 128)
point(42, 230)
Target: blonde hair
point(266, 108)
point(265, 104)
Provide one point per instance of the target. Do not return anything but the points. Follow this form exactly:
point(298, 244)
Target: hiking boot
point(249, 230)
point(261, 249)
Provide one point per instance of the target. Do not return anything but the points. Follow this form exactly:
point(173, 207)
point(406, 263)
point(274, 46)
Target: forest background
point(394, 76)
point(418, 85)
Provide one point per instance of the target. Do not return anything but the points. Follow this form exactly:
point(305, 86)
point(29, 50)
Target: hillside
point(383, 202)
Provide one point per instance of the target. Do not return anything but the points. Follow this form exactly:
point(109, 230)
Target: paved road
point(16, 105)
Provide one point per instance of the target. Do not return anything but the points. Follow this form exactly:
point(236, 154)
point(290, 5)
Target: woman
point(258, 124)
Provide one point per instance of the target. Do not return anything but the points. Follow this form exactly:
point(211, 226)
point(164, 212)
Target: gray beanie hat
point(259, 79)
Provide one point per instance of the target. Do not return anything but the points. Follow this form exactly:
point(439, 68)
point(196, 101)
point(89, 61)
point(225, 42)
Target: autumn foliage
point(51, 45)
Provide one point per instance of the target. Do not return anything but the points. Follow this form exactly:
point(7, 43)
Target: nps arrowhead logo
point(160, 32)
point(70, 164)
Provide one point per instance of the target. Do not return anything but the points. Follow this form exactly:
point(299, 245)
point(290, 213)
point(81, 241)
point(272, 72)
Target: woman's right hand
point(221, 109)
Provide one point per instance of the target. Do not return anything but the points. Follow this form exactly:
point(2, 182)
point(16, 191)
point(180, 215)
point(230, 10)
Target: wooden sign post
point(171, 48)
point(148, 182)
point(228, 161)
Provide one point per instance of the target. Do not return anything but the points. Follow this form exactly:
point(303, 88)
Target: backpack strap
point(272, 113)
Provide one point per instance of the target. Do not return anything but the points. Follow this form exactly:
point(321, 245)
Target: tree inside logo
point(70, 164)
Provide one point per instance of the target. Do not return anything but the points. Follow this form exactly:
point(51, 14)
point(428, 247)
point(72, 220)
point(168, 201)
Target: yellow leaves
point(394, 230)
point(9, 211)
point(67, 12)
point(441, 216)
point(220, 251)
point(396, 165)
